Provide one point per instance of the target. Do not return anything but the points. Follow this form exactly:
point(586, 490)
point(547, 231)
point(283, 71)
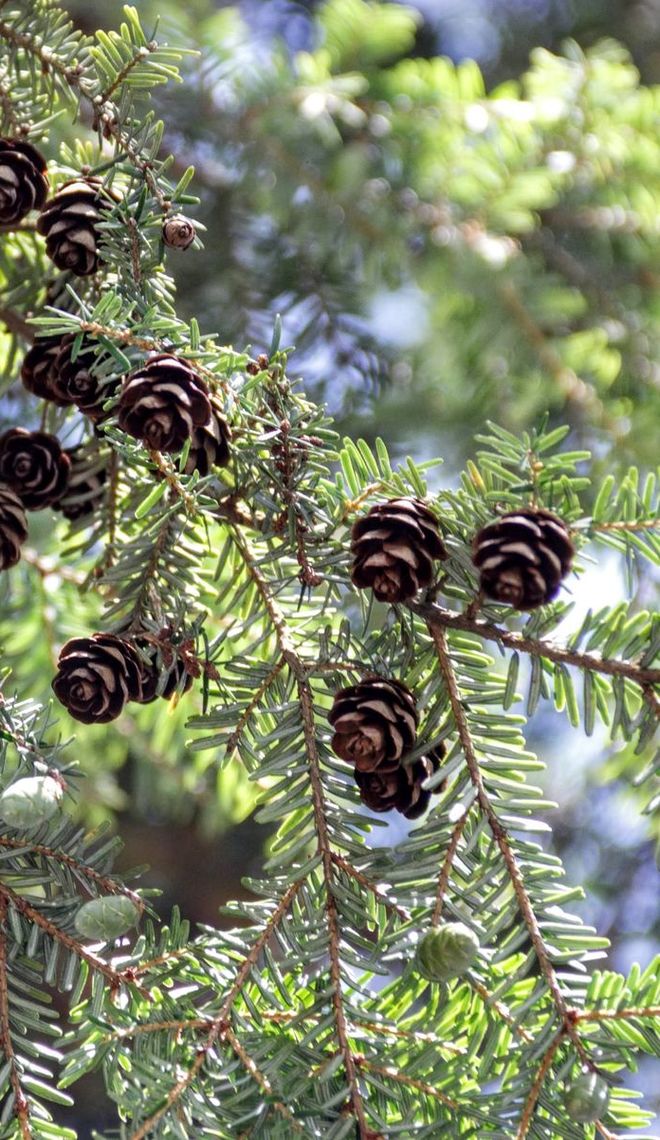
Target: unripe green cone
point(30, 801)
point(586, 1098)
point(104, 919)
point(446, 952)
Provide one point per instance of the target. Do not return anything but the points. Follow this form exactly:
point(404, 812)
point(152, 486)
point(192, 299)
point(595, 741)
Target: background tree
point(460, 253)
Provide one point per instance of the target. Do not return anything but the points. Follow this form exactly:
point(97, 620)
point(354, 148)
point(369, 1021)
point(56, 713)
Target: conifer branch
point(305, 697)
point(219, 1023)
point(21, 1105)
point(439, 618)
point(107, 884)
point(116, 979)
point(500, 835)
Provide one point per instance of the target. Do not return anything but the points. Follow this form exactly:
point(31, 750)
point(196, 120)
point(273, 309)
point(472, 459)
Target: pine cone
point(23, 181)
point(523, 557)
point(178, 232)
point(69, 224)
point(384, 789)
point(39, 371)
point(210, 444)
point(394, 547)
point(75, 379)
point(86, 485)
point(375, 723)
point(178, 677)
point(96, 676)
point(33, 463)
point(163, 403)
point(13, 527)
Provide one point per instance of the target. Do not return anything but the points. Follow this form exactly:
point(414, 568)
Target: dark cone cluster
point(23, 181)
point(209, 445)
point(375, 725)
point(69, 224)
point(34, 465)
point(394, 547)
point(85, 488)
point(13, 527)
point(163, 403)
point(96, 676)
point(522, 557)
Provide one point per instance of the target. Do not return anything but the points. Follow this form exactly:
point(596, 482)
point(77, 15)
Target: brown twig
point(445, 870)
point(535, 1091)
point(501, 1009)
point(242, 721)
point(368, 885)
point(439, 619)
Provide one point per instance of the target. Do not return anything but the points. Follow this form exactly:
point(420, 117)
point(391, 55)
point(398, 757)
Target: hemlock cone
point(151, 673)
point(76, 381)
point(86, 486)
point(210, 444)
point(23, 180)
point(163, 403)
point(401, 788)
point(446, 951)
point(39, 371)
point(69, 224)
point(587, 1098)
point(33, 463)
point(13, 527)
point(178, 232)
point(375, 724)
point(522, 557)
point(394, 547)
point(96, 676)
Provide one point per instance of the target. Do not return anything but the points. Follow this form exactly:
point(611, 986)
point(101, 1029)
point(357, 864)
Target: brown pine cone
point(39, 371)
point(33, 463)
point(522, 557)
point(163, 403)
point(13, 527)
point(23, 181)
point(394, 547)
point(210, 444)
point(77, 382)
point(375, 723)
point(69, 224)
point(178, 677)
point(401, 788)
point(178, 232)
point(86, 485)
point(96, 676)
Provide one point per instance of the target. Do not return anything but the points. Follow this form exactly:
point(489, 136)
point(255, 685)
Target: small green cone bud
point(586, 1098)
point(30, 801)
point(104, 919)
point(446, 952)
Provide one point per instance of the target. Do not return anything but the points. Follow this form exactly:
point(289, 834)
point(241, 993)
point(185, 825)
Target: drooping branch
point(535, 1091)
